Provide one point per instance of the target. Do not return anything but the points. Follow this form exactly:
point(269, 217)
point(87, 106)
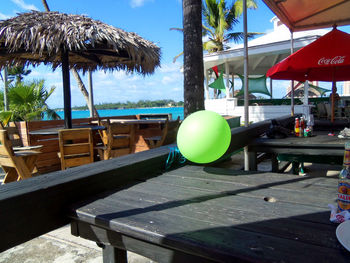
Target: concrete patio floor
point(59, 246)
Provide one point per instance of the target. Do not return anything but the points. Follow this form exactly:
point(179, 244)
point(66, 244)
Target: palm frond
point(251, 4)
point(177, 29)
point(176, 57)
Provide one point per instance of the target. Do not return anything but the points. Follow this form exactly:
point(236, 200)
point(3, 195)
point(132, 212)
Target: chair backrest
point(169, 132)
point(152, 116)
point(120, 139)
point(12, 133)
point(76, 147)
point(7, 157)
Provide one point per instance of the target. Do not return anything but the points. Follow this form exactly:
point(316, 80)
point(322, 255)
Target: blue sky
point(151, 19)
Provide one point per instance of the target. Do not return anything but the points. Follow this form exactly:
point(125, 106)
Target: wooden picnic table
point(321, 144)
point(54, 130)
point(144, 128)
point(208, 214)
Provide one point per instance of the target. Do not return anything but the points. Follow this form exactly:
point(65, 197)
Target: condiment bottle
point(297, 127)
point(302, 127)
point(344, 182)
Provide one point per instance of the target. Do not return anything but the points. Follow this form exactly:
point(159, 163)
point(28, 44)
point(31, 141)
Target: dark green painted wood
point(113, 255)
point(317, 149)
point(242, 136)
point(220, 214)
point(35, 206)
point(158, 253)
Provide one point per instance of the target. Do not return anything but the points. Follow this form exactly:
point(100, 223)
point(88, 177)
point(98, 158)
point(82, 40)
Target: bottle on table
point(302, 126)
point(344, 182)
point(297, 127)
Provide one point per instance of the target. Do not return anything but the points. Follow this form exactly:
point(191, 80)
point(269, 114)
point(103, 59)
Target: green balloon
point(203, 137)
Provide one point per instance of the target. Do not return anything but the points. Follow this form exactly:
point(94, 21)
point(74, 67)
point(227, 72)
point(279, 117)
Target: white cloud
point(3, 16)
point(25, 6)
point(116, 86)
point(138, 3)
point(167, 80)
point(170, 67)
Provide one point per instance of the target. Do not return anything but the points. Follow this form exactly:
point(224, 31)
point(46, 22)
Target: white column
point(306, 93)
point(271, 87)
point(227, 72)
point(233, 84)
point(206, 84)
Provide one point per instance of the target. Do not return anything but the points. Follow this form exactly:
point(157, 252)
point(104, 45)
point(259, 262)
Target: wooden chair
point(16, 165)
point(15, 137)
point(118, 140)
point(168, 136)
point(76, 147)
point(166, 116)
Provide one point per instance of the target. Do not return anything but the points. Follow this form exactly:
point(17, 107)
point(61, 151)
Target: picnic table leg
point(10, 174)
point(274, 163)
point(113, 255)
point(30, 162)
point(253, 163)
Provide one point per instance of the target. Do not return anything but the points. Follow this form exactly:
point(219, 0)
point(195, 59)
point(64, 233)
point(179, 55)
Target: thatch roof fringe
point(42, 35)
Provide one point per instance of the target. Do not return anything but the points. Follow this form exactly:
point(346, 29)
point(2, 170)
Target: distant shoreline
point(74, 109)
point(175, 111)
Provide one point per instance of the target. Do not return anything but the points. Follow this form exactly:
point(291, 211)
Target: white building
point(263, 52)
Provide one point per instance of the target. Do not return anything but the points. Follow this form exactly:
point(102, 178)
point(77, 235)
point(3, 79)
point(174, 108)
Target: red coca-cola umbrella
point(325, 59)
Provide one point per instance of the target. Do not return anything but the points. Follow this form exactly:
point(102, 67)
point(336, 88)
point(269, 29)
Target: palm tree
point(193, 57)
point(17, 72)
point(28, 101)
point(219, 20)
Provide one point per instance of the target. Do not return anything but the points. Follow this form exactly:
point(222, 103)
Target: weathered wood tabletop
point(319, 145)
point(54, 131)
point(321, 141)
point(207, 214)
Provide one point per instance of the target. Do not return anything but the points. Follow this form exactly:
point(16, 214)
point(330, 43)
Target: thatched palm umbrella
point(73, 41)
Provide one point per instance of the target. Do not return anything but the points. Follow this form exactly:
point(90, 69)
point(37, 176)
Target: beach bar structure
point(186, 214)
point(264, 52)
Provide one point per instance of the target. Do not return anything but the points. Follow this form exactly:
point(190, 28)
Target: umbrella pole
point(66, 90)
point(246, 74)
point(332, 98)
point(292, 81)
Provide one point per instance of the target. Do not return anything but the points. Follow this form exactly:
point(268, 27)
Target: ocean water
point(175, 111)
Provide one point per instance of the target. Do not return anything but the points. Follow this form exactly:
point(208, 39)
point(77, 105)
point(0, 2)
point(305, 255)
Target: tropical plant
point(17, 72)
point(219, 20)
point(28, 101)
